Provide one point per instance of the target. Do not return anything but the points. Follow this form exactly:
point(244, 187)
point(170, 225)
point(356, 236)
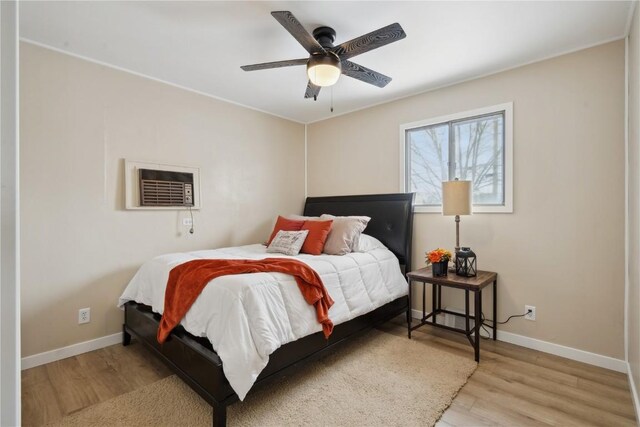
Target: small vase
point(439, 269)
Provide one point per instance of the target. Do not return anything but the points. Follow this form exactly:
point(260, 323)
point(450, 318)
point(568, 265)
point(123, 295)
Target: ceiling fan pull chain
point(332, 99)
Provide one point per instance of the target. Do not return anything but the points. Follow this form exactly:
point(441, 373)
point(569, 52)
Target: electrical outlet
point(187, 221)
point(84, 315)
point(531, 312)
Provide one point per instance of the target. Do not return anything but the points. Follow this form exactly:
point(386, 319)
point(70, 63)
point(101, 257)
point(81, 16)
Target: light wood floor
point(512, 385)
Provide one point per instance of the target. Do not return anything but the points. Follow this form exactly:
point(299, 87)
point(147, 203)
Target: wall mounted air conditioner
point(158, 186)
point(165, 188)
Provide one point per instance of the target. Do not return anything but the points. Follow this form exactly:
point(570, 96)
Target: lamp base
point(452, 269)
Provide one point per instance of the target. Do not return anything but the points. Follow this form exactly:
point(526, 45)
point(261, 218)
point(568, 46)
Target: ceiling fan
point(326, 62)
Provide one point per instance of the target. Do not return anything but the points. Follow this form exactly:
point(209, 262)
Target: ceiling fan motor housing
point(325, 36)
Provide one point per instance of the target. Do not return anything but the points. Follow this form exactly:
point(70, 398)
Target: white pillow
point(368, 243)
point(288, 242)
point(345, 233)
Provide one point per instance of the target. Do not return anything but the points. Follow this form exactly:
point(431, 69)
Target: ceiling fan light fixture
point(324, 69)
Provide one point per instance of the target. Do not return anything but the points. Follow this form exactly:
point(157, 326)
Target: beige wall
point(79, 246)
point(633, 319)
point(562, 249)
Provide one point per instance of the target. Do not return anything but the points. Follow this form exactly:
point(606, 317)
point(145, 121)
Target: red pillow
point(285, 224)
point(318, 232)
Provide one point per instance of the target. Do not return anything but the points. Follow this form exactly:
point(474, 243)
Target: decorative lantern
point(466, 263)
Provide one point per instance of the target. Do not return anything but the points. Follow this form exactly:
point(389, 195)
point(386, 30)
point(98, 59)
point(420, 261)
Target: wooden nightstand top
point(484, 278)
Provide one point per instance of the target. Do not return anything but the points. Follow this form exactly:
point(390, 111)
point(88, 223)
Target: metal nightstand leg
point(466, 312)
point(478, 317)
point(434, 307)
point(495, 309)
point(409, 312)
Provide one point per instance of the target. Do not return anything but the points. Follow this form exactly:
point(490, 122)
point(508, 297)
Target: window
point(475, 145)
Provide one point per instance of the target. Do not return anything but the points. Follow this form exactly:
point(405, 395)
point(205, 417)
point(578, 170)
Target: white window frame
point(507, 207)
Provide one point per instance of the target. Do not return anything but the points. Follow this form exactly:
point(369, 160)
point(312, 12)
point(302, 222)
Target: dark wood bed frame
point(193, 358)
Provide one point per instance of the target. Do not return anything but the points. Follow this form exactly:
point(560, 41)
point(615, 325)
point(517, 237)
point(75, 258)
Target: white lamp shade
point(456, 198)
point(324, 75)
point(324, 69)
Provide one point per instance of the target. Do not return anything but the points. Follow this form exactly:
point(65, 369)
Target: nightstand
point(468, 284)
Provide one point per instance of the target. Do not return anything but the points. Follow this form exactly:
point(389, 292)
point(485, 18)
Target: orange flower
point(434, 256)
point(438, 255)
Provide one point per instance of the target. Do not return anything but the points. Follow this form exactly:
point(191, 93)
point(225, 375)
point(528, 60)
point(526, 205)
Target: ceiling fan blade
point(295, 28)
point(312, 91)
point(370, 41)
point(359, 72)
point(275, 64)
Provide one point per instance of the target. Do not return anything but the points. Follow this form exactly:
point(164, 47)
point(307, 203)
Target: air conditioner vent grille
point(163, 193)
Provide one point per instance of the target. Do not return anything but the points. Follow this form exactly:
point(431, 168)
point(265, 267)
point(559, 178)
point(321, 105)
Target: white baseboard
point(69, 351)
point(595, 359)
point(634, 393)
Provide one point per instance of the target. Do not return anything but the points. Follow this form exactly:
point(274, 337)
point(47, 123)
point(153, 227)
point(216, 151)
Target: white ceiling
point(201, 45)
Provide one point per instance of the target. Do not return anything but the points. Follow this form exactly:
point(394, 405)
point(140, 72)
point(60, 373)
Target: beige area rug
point(378, 379)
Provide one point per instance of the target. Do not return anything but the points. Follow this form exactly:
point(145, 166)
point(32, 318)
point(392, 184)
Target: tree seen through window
point(468, 149)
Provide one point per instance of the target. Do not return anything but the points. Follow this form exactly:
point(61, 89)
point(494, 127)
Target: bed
point(193, 358)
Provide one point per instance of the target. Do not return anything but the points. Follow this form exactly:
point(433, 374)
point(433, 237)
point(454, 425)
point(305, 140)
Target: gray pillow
point(288, 242)
point(345, 233)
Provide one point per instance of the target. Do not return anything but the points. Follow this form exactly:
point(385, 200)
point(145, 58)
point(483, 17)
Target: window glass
point(429, 163)
point(468, 149)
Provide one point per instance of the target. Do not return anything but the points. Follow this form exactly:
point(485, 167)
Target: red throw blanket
point(187, 281)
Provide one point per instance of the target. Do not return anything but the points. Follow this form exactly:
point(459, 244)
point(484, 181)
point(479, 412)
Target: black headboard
point(391, 217)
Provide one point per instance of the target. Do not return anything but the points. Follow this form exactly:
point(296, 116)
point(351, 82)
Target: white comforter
point(248, 316)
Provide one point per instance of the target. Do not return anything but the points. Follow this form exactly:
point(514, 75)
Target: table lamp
point(456, 200)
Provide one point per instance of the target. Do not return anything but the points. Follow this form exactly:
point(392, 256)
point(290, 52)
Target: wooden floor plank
point(585, 371)
point(465, 399)
point(605, 390)
point(499, 415)
point(512, 385)
point(40, 405)
point(605, 403)
point(107, 382)
point(441, 423)
point(508, 404)
point(553, 400)
point(73, 388)
point(459, 416)
point(34, 376)
point(538, 371)
point(138, 367)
